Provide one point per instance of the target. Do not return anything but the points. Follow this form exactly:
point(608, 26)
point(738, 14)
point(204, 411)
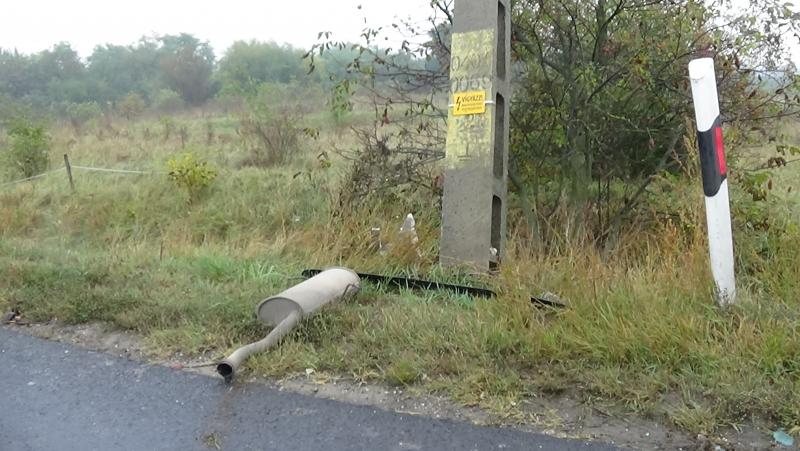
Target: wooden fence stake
point(69, 172)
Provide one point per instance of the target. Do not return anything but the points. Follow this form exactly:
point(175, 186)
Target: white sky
point(33, 25)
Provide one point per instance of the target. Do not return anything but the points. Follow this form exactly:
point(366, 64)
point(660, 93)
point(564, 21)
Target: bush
point(30, 147)
point(192, 175)
point(168, 101)
point(272, 126)
point(81, 113)
point(386, 166)
point(131, 106)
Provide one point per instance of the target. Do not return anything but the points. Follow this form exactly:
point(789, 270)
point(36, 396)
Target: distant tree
point(246, 65)
point(334, 64)
point(16, 78)
point(61, 62)
point(49, 77)
point(186, 66)
point(116, 71)
point(131, 106)
point(61, 75)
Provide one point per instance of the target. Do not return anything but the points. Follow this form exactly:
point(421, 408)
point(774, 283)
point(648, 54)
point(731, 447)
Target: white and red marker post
point(715, 180)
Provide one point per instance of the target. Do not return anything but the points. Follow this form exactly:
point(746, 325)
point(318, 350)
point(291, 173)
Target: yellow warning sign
point(469, 102)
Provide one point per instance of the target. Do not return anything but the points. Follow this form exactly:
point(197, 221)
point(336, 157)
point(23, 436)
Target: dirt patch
point(562, 416)
point(94, 336)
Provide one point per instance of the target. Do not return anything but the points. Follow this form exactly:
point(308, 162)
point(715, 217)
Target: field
point(641, 334)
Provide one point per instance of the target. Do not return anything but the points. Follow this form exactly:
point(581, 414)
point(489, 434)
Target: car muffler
point(284, 311)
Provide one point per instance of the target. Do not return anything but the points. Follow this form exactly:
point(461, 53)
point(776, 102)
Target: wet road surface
point(55, 396)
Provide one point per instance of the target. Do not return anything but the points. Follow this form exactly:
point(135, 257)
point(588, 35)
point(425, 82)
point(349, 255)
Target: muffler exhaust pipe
point(284, 311)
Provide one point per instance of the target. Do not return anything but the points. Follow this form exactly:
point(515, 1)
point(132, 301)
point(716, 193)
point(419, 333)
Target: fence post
point(69, 172)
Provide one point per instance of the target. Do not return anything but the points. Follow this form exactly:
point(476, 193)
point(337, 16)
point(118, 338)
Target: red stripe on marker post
point(720, 146)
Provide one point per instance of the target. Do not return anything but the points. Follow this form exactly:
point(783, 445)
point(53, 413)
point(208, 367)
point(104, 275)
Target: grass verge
point(641, 332)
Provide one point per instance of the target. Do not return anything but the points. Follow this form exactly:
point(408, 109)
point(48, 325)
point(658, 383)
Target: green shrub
point(192, 175)
point(131, 106)
point(272, 126)
point(167, 101)
point(81, 113)
point(30, 146)
point(402, 372)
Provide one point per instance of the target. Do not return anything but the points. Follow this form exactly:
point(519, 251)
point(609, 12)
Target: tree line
point(166, 72)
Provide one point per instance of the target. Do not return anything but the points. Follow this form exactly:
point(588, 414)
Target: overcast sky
point(34, 25)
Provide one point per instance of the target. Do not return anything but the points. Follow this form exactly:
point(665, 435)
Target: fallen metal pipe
point(285, 310)
point(227, 368)
point(419, 284)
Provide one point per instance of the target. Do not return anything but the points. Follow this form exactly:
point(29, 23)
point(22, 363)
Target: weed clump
point(402, 372)
point(192, 175)
point(30, 147)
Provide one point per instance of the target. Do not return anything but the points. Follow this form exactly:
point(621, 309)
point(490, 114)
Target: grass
point(641, 332)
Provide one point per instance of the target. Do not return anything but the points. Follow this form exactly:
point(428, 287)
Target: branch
point(444, 7)
point(662, 164)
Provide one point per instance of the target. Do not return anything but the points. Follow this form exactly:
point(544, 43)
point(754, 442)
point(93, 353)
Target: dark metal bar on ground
point(419, 284)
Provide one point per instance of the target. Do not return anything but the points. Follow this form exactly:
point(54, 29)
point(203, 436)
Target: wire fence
point(34, 177)
point(118, 171)
point(66, 169)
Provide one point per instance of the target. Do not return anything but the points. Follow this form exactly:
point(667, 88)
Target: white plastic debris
point(409, 228)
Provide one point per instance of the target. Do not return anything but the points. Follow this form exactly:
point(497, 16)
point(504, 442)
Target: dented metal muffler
point(284, 311)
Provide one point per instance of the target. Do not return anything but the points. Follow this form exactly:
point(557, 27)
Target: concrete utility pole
point(475, 183)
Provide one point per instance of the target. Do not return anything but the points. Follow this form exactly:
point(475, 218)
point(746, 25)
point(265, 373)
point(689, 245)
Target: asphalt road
point(55, 396)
